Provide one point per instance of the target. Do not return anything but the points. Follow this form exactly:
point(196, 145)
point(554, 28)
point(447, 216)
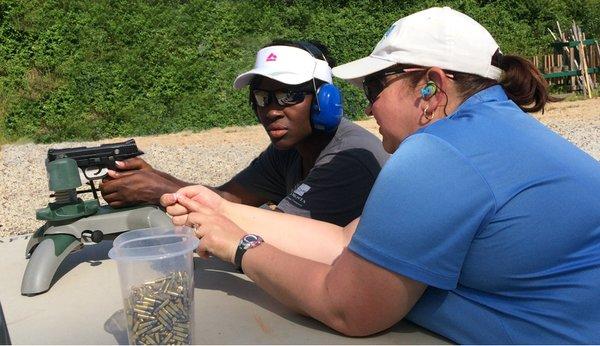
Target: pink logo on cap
point(272, 57)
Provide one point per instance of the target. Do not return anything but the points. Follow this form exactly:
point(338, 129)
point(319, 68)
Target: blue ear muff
point(326, 110)
point(428, 90)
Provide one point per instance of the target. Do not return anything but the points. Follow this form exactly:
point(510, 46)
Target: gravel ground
point(212, 157)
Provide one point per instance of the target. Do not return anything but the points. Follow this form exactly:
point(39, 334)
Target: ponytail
point(524, 84)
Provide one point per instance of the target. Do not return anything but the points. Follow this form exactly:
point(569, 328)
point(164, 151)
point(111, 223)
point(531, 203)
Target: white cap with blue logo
point(437, 36)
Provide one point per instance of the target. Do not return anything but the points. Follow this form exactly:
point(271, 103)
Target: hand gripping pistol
point(72, 222)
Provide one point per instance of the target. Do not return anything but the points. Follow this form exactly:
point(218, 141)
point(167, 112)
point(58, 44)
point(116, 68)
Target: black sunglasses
point(373, 85)
point(263, 98)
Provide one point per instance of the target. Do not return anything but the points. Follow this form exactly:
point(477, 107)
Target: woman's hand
point(198, 193)
point(218, 235)
point(135, 186)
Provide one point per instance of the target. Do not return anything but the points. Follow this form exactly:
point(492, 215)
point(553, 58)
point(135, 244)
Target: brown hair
point(521, 80)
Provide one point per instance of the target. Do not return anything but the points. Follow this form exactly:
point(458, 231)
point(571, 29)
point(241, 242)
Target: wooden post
point(560, 33)
point(592, 63)
point(596, 60)
point(572, 67)
point(582, 62)
point(559, 62)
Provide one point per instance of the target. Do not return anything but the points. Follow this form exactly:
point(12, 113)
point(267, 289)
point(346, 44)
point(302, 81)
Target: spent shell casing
point(158, 311)
point(173, 294)
point(163, 304)
point(164, 322)
point(149, 300)
point(167, 338)
point(179, 338)
point(145, 316)
point(146, 324)
point(180, 334)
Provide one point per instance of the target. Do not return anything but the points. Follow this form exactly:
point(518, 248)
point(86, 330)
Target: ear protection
point(429, 90)
point(326, 110)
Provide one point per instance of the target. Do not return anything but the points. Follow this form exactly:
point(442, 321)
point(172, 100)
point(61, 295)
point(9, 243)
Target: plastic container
point(157, 283)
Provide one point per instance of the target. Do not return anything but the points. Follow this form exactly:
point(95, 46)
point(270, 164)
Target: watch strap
point(247, 242)
point(239, 253)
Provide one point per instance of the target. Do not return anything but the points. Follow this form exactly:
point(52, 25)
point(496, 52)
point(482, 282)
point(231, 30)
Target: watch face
point(251, 240)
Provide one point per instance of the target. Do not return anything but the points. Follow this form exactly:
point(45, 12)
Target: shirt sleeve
point(264, 176)
point(336, 190)
point(423, 212)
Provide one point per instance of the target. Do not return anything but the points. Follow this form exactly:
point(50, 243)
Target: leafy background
point(72, 70)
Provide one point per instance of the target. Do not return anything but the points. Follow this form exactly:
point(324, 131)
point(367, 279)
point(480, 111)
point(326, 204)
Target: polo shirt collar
point(493, 93)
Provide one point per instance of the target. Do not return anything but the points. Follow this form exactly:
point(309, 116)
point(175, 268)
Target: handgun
point(103, 156)
point(98, 159)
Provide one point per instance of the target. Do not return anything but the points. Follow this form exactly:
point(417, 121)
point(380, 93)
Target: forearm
point(176, 182)
point(353, 296)
point(300, 236)
point(298, 283)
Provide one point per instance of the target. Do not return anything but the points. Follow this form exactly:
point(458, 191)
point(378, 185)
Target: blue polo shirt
point(500, 217)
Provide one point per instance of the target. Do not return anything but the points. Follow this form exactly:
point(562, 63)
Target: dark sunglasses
point(263, 98)
point(373, 85)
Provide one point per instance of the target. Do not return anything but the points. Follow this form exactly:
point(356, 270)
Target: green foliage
point(95, 69)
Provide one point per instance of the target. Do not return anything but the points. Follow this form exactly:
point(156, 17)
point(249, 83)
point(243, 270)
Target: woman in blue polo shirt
point(484, 225)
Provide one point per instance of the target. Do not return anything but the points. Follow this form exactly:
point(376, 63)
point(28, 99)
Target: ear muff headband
point(429, 90)
point(326, 110)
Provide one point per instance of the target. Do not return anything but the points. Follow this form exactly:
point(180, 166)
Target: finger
point(127, 173)
point(192, 190)
point(177, 209)
point(203, 254)
point(168, 199)
point(202, 251)
point(196, 221)
point(111, 197)
point(108, 187)
point(120, 175)
point(191, 204)
point(199, 231)
point(132, 163)
point(112, 174)
point(114, 202)
point(179, 220)
point(117, 204)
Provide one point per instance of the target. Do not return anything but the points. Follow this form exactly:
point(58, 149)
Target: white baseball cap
point(437, 36)
point(285, 64)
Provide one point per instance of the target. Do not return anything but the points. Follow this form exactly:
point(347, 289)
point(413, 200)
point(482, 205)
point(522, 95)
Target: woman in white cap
point(319, 165)
point(484, 225)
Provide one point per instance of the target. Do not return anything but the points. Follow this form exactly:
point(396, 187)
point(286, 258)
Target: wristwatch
point(249, 241)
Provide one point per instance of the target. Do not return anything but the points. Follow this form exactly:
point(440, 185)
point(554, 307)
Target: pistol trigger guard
point(100, 173)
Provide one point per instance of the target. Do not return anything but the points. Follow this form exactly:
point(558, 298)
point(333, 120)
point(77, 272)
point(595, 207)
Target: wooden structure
point(574, 63)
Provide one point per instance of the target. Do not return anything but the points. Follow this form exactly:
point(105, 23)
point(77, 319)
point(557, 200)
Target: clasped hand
point(199, 207)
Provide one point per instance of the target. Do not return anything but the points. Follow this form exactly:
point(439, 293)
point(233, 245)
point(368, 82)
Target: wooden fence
point(574, 63)
point(564, 66)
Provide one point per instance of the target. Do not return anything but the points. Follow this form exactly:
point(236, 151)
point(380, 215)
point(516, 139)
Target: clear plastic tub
point(157, 283)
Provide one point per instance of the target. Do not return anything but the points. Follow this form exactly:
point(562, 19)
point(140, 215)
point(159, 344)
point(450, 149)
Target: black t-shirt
point(336, 188)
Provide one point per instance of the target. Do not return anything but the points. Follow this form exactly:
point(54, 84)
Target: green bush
point(74, 70)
